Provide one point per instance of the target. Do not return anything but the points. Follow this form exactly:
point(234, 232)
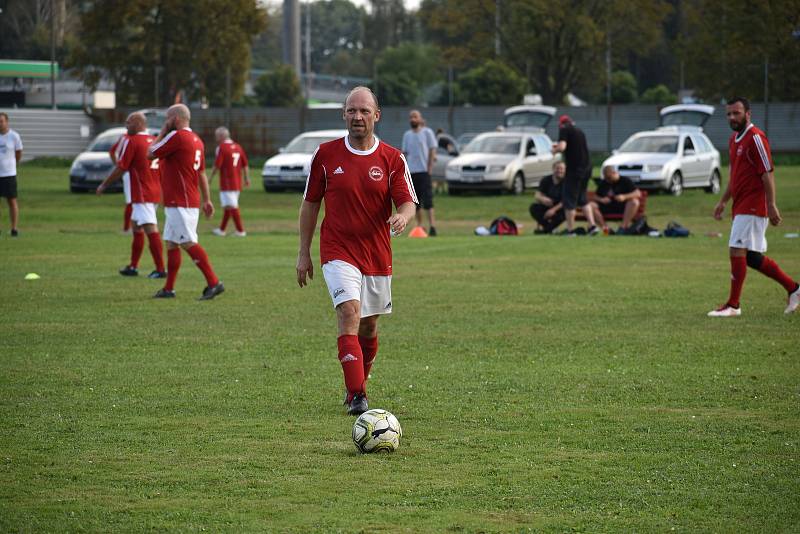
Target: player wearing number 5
point(145, 193)
point(183, 178)
point(231, 161)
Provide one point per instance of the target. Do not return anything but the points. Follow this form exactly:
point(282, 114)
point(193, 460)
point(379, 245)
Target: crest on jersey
point(376, 173)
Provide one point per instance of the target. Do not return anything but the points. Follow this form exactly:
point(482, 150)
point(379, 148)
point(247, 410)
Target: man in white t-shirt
point(419, 147)
point(10, 156)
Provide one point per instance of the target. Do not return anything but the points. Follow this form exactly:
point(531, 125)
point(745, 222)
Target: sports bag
point(503, 226)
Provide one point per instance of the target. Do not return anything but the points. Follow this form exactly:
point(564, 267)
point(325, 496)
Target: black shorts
point(574, 188)
point(8, 186)
point(423, 188)
point(612, 208)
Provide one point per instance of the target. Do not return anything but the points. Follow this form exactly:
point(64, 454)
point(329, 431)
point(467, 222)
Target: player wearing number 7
point(231, 161)
point(145, 193)
point(181, 158)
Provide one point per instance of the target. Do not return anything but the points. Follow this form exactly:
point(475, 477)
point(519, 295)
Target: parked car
point(92, 166)
point(501, 161)
point(289, 169)
point(465, 138)
point(676, 156)
point(527, 118)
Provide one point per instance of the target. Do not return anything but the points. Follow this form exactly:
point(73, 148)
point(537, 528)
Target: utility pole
point(766, 96)
point(308, 51)
point(497, 28)
point(228, 96)
point(53, 54)
point(608, 91)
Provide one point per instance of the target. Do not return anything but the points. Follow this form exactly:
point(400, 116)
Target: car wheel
point(715, 184)
point(75, 189)
point(675, 184)
point(518, 185)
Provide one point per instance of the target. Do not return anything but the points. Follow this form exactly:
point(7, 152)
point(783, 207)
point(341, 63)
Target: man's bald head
point(180, 115)
point(361, 89)
point(136, 122)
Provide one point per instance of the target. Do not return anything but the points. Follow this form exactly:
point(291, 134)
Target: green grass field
point(543, 383)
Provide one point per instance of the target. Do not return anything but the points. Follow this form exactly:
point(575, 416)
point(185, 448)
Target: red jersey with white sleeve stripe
point(230, 161)
point(114, 150)
point(358, 187)
point(181, 157)
point(750, 158)
point(145, 178)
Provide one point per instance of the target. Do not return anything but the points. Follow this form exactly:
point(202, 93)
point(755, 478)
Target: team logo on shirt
point(338, 170)
point(376, 173)
point(739, 151)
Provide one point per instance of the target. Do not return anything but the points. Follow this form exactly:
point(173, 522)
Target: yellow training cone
point(418, 231)
point(32, 276)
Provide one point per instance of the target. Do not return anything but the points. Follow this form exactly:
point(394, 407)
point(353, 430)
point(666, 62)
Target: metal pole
point(497, 28)
point(228, 96)
point(53, 54)
point(155, 87)
point(450, 99)
point(608, 92)
point(766, 96)
point(308, 51)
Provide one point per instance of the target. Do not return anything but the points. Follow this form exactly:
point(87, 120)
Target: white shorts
point(126, 187)
point(181, 225)
point(345, 282)
point(750, 232)
point(229, 199)
point(144, 213)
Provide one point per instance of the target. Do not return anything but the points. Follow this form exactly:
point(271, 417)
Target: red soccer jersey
point(145, 178)
point(358, 188)
point(750, 157)
point(230, 161)
point(181, 157)
point(114, 150)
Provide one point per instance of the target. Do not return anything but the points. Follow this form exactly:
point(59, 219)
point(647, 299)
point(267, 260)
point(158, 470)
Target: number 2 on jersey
point(197, 155)
point(154, 164)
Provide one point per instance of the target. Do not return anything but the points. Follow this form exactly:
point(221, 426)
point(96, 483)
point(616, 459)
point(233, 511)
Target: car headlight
point(272, 170)
point(77, 169)
point(492, 169)
point(451, 172)
point(654, 168)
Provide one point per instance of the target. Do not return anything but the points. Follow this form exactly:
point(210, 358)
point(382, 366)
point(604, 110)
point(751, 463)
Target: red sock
point(738, 274)
point(350, 357)
point(137, 246)
point(237, 219)
point(369, 348)
point(200, 259)
point(173, 264)
point(126, 220)
point(156, 250)
point(225, 217)
point(771, 269)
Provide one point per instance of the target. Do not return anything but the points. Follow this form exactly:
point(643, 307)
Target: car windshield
point(307, 145)
point(667, 144)
point(104, 142)
point(523, 119)
point(494, 144)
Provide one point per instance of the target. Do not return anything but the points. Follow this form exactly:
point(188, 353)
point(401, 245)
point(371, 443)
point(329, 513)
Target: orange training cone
point(418, 231)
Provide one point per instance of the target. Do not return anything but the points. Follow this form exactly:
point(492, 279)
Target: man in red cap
point(572, 142)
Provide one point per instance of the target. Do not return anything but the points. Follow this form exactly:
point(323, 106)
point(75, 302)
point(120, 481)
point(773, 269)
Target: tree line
point(480, 52)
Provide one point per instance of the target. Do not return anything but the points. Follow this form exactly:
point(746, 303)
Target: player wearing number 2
point(183, 178)
point(145, 193)
point(231, 161)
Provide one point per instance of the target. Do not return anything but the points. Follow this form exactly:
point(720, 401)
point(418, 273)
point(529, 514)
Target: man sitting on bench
point(616, 195)
point(547, 210)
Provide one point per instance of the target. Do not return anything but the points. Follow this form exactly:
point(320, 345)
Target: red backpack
point(503, 226)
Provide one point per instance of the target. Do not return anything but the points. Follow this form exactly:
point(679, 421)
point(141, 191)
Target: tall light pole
point(53, 54)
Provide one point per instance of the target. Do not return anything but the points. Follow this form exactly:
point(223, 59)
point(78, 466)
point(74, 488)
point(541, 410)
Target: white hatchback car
point(289, 169)
point(673, 157)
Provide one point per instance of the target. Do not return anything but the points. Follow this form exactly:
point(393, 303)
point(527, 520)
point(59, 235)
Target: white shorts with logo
point(229, 199)
point(126, 186)
point(181, 225)
point(750, 232)
point(144, 213)
point(345, 282)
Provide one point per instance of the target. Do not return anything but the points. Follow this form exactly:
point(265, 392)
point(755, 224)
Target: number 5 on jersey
point(197, 155)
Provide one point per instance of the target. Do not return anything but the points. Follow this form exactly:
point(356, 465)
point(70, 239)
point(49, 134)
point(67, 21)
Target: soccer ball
point(377, 431)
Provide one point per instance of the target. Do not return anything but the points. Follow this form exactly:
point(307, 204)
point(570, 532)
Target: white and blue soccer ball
point(377, 431)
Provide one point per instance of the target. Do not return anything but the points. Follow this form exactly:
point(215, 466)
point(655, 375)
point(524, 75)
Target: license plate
point(95, 177)
point(291, 178)
point(472, 179)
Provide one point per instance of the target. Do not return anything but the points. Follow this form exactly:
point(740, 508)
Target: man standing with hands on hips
point(358, 177)
point(419, 147)
point(181, 157)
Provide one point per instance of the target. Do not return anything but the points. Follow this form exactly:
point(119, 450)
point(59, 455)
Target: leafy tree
point(336, 26)
point(279, 88)
point(173, 35)
point(728, 42)
point(623, 87)
point(493, 83)
point(411, 64)
point(388, 24)
point(659, 94)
